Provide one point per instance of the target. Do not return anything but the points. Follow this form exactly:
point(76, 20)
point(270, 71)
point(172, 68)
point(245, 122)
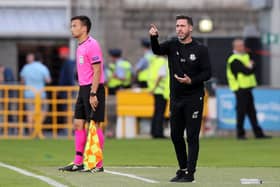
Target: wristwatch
point(92, 94)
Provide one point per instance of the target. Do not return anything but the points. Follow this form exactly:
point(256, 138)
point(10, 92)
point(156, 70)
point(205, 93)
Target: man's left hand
point(93, 102)
point(184, 80)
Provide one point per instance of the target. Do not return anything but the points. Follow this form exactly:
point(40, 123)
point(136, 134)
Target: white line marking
point(134, 167)
point(27, 173)
point(131, 176)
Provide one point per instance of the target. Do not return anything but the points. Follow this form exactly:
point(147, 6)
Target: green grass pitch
point(222, 162)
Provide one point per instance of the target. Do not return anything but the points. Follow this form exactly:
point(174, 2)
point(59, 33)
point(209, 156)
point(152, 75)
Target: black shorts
point(83, 109)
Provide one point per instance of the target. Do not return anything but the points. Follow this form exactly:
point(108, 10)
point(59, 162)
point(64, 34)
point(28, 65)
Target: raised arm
point(158, 49)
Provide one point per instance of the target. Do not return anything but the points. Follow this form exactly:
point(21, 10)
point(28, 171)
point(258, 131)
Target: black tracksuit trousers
point(245, 106)
point(158, 116)
point(186, 114)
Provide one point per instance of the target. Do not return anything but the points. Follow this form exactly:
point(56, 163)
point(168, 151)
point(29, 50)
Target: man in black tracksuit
point(189, 67)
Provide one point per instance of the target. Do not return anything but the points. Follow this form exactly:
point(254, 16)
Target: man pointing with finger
point(189, 67)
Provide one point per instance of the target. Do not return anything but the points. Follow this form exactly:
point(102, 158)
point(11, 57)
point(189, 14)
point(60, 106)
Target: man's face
point(183, 29)
point(239, 46)
point(63, 55)
point(77, 28)
point(113, 59)
point(1, 69)
point(30, 58)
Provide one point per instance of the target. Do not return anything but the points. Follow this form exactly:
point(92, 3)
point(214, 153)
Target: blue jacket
point(67, 73)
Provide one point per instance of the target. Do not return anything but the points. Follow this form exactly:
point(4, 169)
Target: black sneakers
point(94, 170)
point(257, 137)
point(74, 167)
point(71, 167)
point(263, 137)
point(241, 138)
point(97, 170)
point(183, 176)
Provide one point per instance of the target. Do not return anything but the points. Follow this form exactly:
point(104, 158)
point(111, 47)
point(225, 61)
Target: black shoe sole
point(182, 181)
point(69, 170)
point(263, 137)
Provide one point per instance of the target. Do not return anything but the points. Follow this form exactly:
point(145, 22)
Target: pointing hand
point(153, 30)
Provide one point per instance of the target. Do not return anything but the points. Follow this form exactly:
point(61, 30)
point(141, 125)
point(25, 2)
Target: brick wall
point(123, 22)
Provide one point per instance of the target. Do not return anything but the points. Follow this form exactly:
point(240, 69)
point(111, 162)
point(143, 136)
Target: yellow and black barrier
point(13, 112)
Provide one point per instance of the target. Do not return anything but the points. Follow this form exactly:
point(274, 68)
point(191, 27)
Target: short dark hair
point(145, 42)
point(189, 19)
point(115, 52)
point(37, 56)
point(85, 21)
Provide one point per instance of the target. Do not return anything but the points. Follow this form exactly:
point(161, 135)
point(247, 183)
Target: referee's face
point(77, 28)
point(183, 29)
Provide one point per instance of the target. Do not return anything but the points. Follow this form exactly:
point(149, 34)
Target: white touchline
point(27, 173)
point(135, 167)
point(131, 176)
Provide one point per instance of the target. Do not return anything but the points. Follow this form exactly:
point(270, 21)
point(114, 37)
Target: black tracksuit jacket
point(191, 59)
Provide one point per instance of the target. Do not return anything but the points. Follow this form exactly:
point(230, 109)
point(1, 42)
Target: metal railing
point(36, 117)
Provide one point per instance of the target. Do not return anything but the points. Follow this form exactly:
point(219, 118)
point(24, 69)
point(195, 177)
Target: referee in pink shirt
point(90, 104)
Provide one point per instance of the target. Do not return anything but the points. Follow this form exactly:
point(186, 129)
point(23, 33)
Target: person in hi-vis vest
point(158, 85)
point(142, 66)
point(241, 80)
point(120, 75)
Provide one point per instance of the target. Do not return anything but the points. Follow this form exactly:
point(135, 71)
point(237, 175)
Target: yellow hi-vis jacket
point(128, 72)
point(115, 82)
point(144, 74)
point(112, 81)
point(241, 81)
point(155, 65)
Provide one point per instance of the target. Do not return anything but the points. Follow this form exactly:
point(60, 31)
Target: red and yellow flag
point(93, 152)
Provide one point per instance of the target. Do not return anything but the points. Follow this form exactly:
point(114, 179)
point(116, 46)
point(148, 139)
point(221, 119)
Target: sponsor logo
point(195, 114)
point(74, 167)
point(95, 58)
point(182, 60)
